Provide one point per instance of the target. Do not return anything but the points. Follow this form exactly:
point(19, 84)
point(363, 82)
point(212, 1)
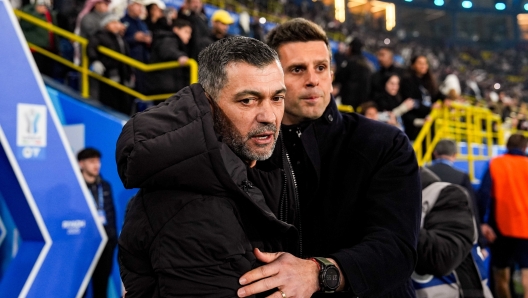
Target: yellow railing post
point(193, 67)
point(85, 89)
point(84, 70)
point(469, 141)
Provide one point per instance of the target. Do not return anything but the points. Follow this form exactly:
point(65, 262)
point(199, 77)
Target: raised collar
point(516, 152)
point(443, 161)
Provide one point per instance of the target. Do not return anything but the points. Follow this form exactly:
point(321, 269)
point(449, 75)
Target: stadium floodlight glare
point(439, 2)
point(500, 5)
point(467, 4)
point(408, 0)
point(526, 6)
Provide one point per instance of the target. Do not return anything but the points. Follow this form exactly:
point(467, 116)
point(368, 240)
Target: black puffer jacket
point(191, 229)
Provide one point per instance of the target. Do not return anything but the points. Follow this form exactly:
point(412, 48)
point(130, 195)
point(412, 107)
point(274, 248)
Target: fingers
point(259, 273)
point(266, 257)
point(259, 287)
point(277, 294)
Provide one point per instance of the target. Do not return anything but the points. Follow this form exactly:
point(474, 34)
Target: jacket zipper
point(297, 205)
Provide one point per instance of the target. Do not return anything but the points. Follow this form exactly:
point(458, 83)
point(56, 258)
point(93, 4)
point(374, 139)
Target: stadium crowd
point(400, 86)
point(151, 32)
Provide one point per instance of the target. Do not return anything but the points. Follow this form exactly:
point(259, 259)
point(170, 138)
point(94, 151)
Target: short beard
point(236, 141)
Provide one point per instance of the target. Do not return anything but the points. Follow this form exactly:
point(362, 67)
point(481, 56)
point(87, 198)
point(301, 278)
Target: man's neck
point(446, 159)
point(89, 178)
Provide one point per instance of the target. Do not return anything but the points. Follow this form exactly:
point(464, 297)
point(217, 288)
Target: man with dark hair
point(357, 182)
point(353, 76)
point(193, 11)
point(445, 154)
point(385, 57)
point(90, 163)
point(504, 205)
point(170, 46)
point(208, 196)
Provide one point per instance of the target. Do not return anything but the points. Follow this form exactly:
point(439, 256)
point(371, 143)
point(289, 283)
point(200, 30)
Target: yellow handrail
point(460, 123)
point(50, 27)
point(85, 72)
point(345, 108)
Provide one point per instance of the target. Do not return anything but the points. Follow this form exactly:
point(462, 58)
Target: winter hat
point(107, 19)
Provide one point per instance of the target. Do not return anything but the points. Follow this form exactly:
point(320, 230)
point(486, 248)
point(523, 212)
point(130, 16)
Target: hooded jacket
point(447, 265)
point(191, 229)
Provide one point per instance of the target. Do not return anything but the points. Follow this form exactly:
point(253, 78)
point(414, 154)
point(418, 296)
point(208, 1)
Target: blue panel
point(51, 182)
point(11, 238)
point(102, 128)
point(13, 280)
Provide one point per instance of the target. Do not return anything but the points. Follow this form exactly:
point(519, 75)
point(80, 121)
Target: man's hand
point(183, 60)
point(143, 37)
point(293, 276)
point(488, 233)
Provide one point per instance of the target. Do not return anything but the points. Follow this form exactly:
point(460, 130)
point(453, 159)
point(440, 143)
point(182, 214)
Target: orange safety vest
point(509, 176)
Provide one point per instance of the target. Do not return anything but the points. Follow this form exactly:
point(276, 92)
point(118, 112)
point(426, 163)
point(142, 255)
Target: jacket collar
point(516, 152)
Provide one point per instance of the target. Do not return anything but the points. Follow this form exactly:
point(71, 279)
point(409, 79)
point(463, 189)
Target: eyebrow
point(304, 64)
point(256, 93)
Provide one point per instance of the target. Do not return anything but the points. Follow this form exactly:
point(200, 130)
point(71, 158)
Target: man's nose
point(312, 79)
point(266, 113)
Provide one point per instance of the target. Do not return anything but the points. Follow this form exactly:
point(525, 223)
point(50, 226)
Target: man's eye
point(321, 67)
point(278, 98)
point(246, 101)
point(296, 70)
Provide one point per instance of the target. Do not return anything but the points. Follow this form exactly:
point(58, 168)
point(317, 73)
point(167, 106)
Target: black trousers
point(102, 271)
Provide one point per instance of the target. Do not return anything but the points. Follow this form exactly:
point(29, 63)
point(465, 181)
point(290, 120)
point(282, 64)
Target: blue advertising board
point(41, 184)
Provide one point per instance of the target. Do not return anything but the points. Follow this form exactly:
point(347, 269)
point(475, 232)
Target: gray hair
point(445, 147)
point(215, 58)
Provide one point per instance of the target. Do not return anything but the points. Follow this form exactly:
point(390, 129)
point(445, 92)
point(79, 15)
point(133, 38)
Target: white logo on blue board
point(31, 131)
point(73, 227)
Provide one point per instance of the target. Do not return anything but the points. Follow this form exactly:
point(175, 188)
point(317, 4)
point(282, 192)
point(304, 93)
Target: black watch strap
point(329, 277)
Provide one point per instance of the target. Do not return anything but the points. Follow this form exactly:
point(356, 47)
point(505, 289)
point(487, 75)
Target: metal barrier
point(475, 126)
point(86, 72)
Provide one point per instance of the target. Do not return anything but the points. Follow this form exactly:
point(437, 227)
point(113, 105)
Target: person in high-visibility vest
point(504, 199)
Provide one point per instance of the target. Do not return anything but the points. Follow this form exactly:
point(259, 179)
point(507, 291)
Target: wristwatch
point(329, 278)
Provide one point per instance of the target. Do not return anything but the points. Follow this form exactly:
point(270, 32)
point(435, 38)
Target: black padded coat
point(191, 229)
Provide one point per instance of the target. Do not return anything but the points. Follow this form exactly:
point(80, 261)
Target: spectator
point(389, 100)
point(156, 20)
point(446, 266)
point(170, 46)
point(90, 22)
point(110, 37)
point(68, 12)
point(137, 35)
point(369, 109)
point(445, 154)
point(40, 36)
point(353, 76)
point(503, 203)
point(207, 190)
point(385, 57)
point(193, 11)
point(420, 85)
point(138, 39)
point(90, 163)
point(221, 21)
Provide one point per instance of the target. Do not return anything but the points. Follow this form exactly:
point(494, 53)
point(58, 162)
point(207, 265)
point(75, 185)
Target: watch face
point(332, 278)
